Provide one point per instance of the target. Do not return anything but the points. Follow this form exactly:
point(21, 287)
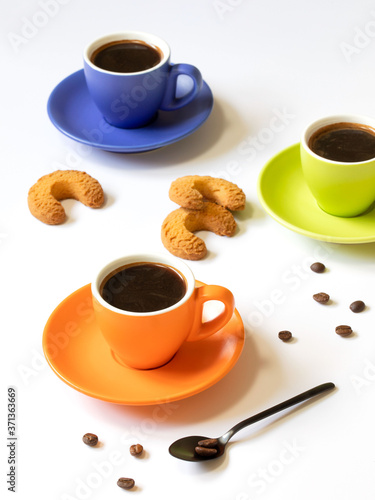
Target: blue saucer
point(72, 111)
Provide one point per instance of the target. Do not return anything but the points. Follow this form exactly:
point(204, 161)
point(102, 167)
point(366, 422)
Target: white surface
point(273, 67)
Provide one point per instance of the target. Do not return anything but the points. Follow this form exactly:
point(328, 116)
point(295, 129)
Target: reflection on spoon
point(185, 448)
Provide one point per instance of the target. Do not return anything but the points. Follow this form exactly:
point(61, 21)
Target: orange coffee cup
point(150, 339)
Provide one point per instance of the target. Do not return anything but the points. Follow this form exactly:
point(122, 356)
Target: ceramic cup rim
point(328, 120)
point(173, 262)
point(143, 36)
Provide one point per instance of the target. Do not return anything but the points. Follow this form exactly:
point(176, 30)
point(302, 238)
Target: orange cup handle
point(201, 330)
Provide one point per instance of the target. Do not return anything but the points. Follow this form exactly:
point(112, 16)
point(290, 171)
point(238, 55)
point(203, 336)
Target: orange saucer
point(78, 354)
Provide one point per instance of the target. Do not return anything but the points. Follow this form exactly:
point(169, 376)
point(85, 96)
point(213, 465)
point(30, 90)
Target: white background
point(262, 59)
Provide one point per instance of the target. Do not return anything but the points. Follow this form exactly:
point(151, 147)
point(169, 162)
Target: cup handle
point(170, 101)
point(200, 330)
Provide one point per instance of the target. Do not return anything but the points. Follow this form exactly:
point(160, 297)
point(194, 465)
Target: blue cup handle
point(170, 101)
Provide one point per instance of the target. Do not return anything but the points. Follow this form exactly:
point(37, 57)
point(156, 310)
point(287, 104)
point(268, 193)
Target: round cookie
point(192, 191)
point(45, 195)
point(178, 228)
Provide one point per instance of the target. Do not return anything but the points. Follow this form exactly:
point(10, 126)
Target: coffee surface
point(143, 287)
point(345, 142)
point(126, 56)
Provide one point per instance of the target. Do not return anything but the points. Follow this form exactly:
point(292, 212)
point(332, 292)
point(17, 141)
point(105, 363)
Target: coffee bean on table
point(90, 439)
point(321, 297)
point(126, 483)
point(136, 449)
point(285, 335)
point(318, 267)
point(357, 306)
point(343, 330)
point(205, 452)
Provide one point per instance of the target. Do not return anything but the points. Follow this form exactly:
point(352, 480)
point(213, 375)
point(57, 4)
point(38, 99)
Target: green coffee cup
point(341, 188)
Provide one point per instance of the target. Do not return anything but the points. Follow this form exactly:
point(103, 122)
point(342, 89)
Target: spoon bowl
point(185, 448)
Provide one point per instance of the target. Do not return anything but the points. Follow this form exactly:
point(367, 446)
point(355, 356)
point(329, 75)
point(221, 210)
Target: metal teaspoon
point(184, 448)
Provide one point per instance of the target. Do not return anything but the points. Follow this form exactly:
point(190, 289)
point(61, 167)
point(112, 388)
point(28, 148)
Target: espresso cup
point(149, 335)
point(344, 186)
point(130, 77)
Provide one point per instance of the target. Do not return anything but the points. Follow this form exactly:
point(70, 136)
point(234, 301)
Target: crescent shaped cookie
point(45, 195)
point(192, 191)
point(178, 228)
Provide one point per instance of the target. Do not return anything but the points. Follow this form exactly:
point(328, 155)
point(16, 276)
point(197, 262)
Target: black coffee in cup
point(143, 287)
point(126, 56)
point(344, 142)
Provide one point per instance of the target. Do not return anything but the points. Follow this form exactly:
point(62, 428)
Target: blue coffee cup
point(132, 99)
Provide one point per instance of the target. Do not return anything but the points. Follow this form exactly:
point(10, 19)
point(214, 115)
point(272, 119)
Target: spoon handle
point(279, 407)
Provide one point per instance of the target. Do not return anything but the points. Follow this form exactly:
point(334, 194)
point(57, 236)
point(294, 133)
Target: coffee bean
point(285, 335)
point(126, 483)
point(208, 443)
point(136, 449)
point(343, 330)
point(90, 439)
point(321, 297)
point(318, 267)
point(357, 306)
point(205, 452)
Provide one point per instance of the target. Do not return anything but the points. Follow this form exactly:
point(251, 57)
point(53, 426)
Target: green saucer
point(284, 194)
